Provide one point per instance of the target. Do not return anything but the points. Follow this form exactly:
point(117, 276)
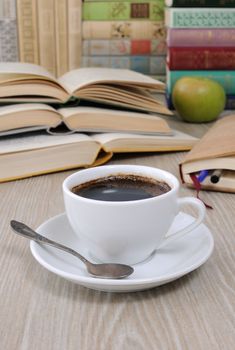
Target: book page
point(78, 78)
point(124, 142)
point(24, 68)
point(219, 141)
point(24, 107)
point(25, 142)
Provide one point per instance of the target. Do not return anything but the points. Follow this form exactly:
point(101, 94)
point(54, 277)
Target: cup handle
point(201, 210)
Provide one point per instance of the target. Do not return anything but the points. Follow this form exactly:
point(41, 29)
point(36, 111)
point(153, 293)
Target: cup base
point(143, 261)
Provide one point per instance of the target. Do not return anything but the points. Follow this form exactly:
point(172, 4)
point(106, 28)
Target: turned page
point(79, 78)
point(16, 69)
point(17, 118)
point(219, 141)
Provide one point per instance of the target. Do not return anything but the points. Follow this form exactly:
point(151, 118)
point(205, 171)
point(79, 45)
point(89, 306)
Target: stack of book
point(125, 34)
point(91, 112)
point(201, 42)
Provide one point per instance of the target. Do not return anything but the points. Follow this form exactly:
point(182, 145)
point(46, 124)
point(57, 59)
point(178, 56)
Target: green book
point(123, 11)
point(199, 3)
point(223, 77)
point(200, 17)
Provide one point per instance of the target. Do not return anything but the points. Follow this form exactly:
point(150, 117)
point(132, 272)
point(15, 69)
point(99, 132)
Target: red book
point(201, 58)
point(140, 47)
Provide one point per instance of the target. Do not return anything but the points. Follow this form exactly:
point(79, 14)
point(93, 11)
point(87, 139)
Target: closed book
point(223, 37)
point(123, 47)
point(24, 82)
point(135, 29)
point(8, 40)
point(8, 9)
point(39, 153)
point(183, 58)
point(61, 27)
point(47, 35)
point(27, 25)
point(200, 17)
point(223, 77)
point(123, 11)
point(74, 33)
point(215, 151)
point(150, 65)
point(200, 3)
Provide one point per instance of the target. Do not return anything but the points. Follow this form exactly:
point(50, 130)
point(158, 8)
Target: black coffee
point(123, 187)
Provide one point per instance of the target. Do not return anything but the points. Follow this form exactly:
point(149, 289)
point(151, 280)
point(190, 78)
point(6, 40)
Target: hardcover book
point(22, 82)
point(74, 40)
point(200, 17)
point(222, 37)
point(123, 47)
point(196, 58)
point(200, 3)
point(224, 77)
point(150, 65)
point(123, 11)
point(215, 151)
point(135, 29)
point(39, 153)
point(27, 26)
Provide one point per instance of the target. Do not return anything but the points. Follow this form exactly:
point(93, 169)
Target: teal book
point(123, 11)
point(200, 17)
point(223, 77)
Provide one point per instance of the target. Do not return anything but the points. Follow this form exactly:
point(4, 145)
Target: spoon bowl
point(106, 270)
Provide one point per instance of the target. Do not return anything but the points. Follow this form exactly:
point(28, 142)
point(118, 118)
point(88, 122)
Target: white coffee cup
point(127, 231)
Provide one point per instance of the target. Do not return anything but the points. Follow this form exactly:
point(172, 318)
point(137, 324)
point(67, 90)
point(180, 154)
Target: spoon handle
point(25, 231)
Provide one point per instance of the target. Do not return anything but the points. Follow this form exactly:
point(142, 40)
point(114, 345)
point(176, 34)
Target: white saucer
point(167, 264)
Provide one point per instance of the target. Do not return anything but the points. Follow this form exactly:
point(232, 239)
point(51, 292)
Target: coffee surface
point(123, 187)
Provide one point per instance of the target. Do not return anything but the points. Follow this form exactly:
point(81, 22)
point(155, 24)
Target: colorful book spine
point(200, 3)
point(8, 40)
point(123, 11)
point(223, 77)
point(8, 31)
point(123, 29)
point(74, 33)
point(200, 17)
point(61, 26)
point(47, 35)
point(201, 37)
point(123, 47)
point(27, 31)
point(187, 58)
point(142, 64)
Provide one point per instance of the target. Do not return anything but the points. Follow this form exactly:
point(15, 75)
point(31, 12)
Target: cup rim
point(117, 168)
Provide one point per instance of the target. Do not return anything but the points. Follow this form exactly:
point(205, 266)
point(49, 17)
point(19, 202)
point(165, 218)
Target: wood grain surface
point(41, 311)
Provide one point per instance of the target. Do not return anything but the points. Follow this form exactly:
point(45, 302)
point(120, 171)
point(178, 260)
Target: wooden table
point(42, 311)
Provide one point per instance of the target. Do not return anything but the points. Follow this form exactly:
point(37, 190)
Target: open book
point(25, 82)
point(215, 154)
point(17, 118)
point(35, 153)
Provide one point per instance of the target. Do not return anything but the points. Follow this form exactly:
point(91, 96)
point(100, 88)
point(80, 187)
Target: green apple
point(198, 99)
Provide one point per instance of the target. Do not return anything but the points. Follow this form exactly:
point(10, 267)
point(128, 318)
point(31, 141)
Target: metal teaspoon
point(108, 270)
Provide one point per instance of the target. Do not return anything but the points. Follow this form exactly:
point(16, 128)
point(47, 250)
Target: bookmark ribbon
point(198, 187)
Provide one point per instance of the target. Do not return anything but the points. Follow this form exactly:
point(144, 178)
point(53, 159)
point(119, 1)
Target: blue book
point(224, 77)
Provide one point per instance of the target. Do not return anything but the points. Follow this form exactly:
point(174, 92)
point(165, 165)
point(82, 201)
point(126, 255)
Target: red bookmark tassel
point(198, 188)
